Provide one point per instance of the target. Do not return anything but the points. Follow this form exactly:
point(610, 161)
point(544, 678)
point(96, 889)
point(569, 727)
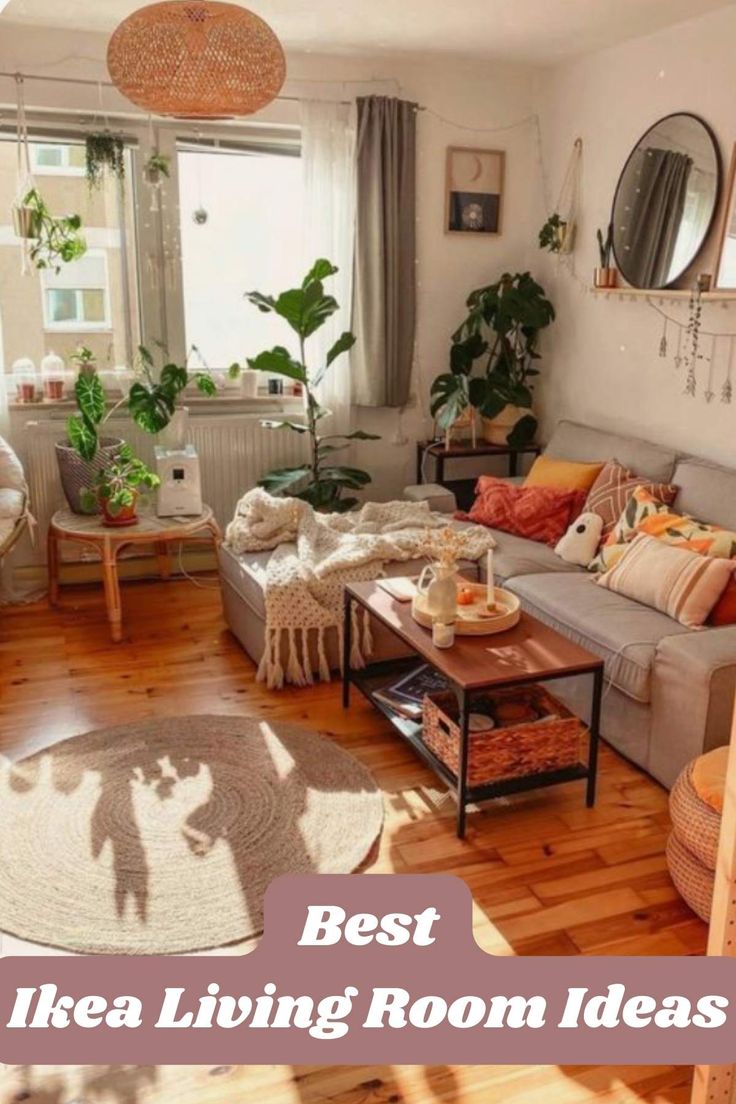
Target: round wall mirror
point(665, 201)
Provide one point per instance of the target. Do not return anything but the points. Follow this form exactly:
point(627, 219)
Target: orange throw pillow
point(538, 513)
point(566, 475)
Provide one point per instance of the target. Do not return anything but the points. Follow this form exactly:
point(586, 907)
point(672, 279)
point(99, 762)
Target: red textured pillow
point(724, 611)
point(537, 513)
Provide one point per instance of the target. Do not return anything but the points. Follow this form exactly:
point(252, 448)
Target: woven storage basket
point(693, 881)
point(511, 751)
point(696, 825)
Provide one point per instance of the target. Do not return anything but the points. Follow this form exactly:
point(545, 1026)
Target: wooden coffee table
point(108, 543)
point(531, 652)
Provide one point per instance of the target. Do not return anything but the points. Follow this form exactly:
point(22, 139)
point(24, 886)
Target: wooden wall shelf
point(666, 293)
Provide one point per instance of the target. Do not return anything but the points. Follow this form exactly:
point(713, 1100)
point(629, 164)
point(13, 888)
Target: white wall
point(449, 267)
point(601, 361)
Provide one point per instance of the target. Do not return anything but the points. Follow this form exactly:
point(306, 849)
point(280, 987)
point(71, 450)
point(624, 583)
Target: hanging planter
point(56, 240)
point(26, 223)
point(156, 168)
point(104, 153)
point(558, 233)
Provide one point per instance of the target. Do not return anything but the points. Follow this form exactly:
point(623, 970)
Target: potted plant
point(502, 331)
point(157, 165)
point(318, 481)
point(104, 151)
point(606, 275)
point(85, 451)
point(553, 235)
point(118, 487)
point(56, 240)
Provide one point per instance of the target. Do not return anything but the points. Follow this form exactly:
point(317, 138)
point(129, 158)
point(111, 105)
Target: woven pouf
point(696, 801)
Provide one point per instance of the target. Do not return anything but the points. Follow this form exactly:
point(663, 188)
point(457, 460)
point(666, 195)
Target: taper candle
point(490, 582)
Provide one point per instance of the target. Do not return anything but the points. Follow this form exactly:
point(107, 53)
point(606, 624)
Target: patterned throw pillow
point(537, 513)
point(641, 506)
point(676, 581)
point(612, 489)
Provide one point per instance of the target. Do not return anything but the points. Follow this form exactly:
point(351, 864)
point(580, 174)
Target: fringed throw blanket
point(315, 555)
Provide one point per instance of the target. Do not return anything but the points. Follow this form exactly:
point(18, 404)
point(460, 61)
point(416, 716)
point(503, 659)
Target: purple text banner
point(362, 970)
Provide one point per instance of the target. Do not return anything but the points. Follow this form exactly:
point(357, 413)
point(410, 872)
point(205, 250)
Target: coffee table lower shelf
point(378, 676)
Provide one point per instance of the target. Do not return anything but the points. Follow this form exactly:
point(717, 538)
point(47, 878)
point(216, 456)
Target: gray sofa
point(669, 690)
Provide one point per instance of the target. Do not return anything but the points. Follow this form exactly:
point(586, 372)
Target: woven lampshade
point(196, 59)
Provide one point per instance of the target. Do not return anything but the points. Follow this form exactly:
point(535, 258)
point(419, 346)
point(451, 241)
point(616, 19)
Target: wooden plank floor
point(547, 875)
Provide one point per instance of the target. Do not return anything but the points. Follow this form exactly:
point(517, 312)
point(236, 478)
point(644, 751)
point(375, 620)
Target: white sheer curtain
point(328, 159)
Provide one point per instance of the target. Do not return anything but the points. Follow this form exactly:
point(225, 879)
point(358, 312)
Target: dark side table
point(464, 451)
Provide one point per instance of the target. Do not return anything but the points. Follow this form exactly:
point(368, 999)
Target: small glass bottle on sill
point(443, 633)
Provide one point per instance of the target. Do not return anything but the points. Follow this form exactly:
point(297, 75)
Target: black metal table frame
point(465, 794)
point(439, 455)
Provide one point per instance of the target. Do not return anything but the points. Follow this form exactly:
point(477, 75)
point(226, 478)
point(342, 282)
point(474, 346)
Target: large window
point(91, 301)
point(241, 226)
point(168, 261)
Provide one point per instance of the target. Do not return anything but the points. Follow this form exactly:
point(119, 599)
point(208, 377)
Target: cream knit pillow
point(677, 582)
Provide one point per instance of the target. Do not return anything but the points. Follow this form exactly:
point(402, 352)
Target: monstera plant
point(319, 480)
point(501, 334)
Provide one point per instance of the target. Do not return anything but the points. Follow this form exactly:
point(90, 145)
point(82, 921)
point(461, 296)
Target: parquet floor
point(547, 875)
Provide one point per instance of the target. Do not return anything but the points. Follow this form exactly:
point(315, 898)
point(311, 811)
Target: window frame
point(64, 169)
point(79, 326)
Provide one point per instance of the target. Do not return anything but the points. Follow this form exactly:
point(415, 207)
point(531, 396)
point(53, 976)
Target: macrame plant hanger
point(24, 218)
point(569, 199)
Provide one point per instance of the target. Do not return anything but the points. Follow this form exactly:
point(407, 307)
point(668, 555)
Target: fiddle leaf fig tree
point(318, 480)
point(501, 331)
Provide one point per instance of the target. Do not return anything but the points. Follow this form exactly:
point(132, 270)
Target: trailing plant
point(502, 332)
point(319, 481)
point(57, 240)
point(151, 401)
point(120, 483)
point(552, 233)
point(605, 245)
point(104, 151)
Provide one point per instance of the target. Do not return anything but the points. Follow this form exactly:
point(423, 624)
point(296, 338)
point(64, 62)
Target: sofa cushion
point(624, 633)
point(707, 492)
point(572, 441)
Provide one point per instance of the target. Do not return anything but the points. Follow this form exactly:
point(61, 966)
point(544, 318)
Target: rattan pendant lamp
point(196, 59)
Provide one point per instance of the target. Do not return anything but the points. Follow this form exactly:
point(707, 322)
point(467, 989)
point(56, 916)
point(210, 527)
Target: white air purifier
point(180, 492)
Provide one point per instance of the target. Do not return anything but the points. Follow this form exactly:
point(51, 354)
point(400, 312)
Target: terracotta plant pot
point(126, 516)
point(496, 430)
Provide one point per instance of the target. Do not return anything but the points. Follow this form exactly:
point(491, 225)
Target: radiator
point(235, 450)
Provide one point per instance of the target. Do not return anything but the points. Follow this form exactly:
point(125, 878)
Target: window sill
point(198, 405)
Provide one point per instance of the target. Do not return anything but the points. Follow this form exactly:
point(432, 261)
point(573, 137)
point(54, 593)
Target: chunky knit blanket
point(315, 555)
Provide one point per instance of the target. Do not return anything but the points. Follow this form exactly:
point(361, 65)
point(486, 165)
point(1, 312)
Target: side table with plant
point(501, 331)
point(318, 480)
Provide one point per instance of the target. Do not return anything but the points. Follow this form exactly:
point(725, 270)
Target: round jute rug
point(161, 837)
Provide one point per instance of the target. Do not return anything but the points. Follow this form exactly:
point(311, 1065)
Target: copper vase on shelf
point(605, 277)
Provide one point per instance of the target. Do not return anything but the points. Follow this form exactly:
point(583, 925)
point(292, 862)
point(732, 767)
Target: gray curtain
point(384, 291)
point(656, 216)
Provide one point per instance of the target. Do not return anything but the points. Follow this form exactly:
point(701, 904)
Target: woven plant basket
point(78, 474)
point(509, 751)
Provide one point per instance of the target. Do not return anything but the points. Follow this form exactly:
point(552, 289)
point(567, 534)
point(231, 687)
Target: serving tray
point(475, 619)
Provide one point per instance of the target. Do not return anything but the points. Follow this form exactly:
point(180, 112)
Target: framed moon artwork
point(474, 190)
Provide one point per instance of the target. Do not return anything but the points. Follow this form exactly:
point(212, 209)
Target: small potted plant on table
point(118, 487)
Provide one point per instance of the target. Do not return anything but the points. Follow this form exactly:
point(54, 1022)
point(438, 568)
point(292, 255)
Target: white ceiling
point(535, 31)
